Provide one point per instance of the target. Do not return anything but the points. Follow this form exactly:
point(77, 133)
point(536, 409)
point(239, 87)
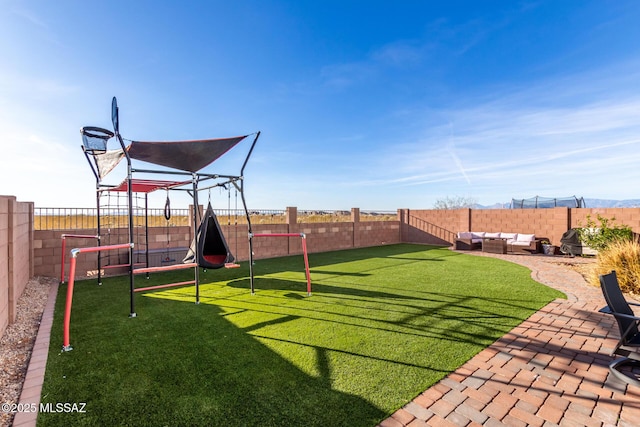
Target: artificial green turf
point(383, 324)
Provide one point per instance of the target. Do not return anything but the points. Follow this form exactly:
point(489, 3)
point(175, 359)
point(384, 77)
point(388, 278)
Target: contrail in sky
point(454, 156)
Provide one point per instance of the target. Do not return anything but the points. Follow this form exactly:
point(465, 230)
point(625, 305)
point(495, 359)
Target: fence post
point(355, 215)
point(291, 216)
point(403, 218)
point(31, 238)
point(355, 227)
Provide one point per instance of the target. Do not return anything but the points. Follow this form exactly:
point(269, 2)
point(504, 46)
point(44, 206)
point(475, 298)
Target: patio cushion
point(516, 242)
point(476, 236)
point(526, 238)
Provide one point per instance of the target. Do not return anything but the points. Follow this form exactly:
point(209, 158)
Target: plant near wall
point(623, 256)
point(599, 235)
point(455, 202)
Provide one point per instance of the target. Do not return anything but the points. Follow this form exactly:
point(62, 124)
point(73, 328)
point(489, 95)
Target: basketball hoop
point(94, 139)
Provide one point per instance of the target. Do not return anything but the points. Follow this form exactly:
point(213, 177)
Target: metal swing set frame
point(187, 158)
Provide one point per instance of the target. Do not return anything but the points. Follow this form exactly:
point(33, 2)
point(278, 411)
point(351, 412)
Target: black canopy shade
point(190, 156)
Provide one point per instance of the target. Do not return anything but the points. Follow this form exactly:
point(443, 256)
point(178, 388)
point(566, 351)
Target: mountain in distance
point(604, 203)
point(589, 203)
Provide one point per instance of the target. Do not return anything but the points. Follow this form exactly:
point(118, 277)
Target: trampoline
point(538, 202)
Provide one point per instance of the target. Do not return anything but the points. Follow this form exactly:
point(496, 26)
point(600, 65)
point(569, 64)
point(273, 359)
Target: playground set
point(187, 159)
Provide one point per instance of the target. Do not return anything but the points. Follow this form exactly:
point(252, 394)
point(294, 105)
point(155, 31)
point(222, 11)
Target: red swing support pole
point(304, 251)
point(72, 276)
point(64, 238)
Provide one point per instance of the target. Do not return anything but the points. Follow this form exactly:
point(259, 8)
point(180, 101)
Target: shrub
point(599, 236)
point(623, 256)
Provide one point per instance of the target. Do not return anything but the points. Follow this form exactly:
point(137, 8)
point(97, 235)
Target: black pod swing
point(213, 251)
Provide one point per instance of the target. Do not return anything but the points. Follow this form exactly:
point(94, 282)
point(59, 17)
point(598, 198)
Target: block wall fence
point(16, 261)
point(441, 226)
point(321, 237)
point(30, 252)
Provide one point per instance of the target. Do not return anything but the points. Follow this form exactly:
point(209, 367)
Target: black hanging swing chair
point(213, 251)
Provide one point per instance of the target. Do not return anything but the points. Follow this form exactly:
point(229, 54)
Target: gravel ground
point(583, 265)
point(18, 340)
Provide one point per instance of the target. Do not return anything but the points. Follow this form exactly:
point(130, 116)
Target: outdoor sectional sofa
point(515, 242)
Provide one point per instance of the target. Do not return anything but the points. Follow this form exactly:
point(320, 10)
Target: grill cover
point(570, 243)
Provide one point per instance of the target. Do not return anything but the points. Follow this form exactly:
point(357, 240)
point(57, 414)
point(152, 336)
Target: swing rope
point(167, 217)
point(232, 264)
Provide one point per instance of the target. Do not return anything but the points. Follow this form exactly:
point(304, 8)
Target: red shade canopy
point(148, 185)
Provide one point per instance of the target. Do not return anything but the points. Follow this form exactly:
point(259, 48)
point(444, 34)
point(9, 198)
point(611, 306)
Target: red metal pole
point(72, 277)
point(306, 263)
point(103, 248)
point(304, 251)
point(67, 309)
point(168, 285)
point(278, 235)
point(64, 244)
point(164, 268)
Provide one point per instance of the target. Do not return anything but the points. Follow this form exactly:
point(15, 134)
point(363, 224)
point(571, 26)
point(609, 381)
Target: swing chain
point(167, 208)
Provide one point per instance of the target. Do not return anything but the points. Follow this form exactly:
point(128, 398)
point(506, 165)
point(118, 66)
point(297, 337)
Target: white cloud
point(400, 53)
point(521, 143)
point(31, 17)
point(340, 76)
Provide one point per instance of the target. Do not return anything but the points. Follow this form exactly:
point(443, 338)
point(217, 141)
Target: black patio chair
point(628, 347)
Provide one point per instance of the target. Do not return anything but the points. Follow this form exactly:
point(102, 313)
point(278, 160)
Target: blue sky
point(370, 104)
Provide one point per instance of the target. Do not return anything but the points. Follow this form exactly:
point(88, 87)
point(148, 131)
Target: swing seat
point(215, 259)
point(212, 250)
point(231, 265)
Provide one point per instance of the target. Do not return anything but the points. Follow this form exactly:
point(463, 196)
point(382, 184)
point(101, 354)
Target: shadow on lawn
point(200, 370)
point(322, 259)
point(444, 316)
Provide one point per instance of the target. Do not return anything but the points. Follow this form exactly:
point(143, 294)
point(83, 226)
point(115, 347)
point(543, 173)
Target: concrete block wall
point(263, 247)
point(414, 226)
point(434, 226)
point(626, 216)
point(163, 237)
point(431, 226)
point(321, 237)
point(376, 233)
point(16, 255)
point(48, 248)
point(544, 223)
point(4, 264)
point(553, 225)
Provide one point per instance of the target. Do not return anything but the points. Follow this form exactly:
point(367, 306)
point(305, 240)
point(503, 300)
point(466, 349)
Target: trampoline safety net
point(548, 202)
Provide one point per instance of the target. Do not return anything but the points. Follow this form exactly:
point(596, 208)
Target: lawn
point(383, 324)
